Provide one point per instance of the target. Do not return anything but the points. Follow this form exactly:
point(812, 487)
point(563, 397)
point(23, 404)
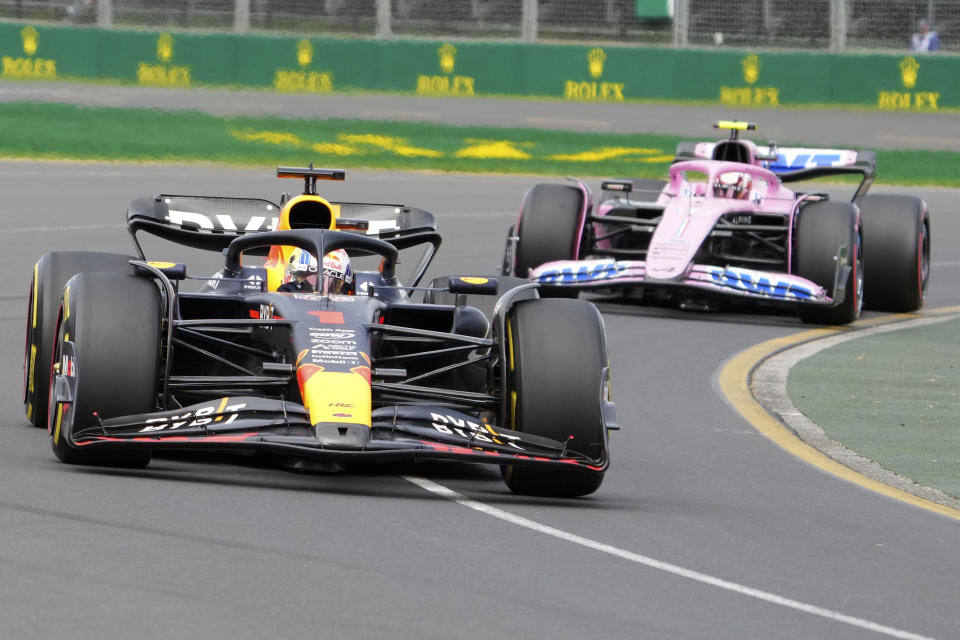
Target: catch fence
point(816, 25)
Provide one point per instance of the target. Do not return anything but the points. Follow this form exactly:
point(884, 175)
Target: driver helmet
point(302, 266)
point(336, 272)
point(735, 185)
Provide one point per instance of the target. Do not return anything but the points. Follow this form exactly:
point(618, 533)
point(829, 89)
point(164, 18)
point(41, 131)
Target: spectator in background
point(926, 39)
point(82, 11)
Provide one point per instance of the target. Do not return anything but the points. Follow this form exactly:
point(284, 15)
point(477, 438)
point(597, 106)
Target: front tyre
point(50, 274)
point(108, 352)
point(828, 244)
point(556, 353)
point(896, 258)
point(550, 228)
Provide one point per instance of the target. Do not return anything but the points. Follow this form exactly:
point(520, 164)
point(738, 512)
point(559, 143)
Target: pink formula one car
point(724, 226)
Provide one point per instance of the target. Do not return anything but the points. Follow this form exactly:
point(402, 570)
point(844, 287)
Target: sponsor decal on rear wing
point(793, 164)
point(211, 223)
point(791, 159)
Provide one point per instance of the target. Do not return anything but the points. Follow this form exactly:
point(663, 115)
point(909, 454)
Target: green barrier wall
point(603, 74)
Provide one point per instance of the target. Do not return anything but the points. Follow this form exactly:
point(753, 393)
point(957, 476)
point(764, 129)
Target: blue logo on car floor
point(743, 281)
point(583, 273)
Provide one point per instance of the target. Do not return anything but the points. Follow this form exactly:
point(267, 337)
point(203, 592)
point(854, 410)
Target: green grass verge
point(41, 130)
point(891, 397)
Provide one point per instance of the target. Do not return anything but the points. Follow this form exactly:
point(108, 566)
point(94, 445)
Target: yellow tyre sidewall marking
point(56, 431)
point(513, 392)
point(32, 368)
point(66, 337)
point(36, 283)
point(32, 372)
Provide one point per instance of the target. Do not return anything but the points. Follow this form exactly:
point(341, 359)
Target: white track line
point(766, 596)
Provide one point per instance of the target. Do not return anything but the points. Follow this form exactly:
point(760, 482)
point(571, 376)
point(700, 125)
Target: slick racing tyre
point(50, 273)
point(556, 353)
point(896, 252)
point(827, 231)
point(549, 229)
point(108, 341)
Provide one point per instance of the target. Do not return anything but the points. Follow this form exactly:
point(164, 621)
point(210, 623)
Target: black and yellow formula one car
point(313, 361)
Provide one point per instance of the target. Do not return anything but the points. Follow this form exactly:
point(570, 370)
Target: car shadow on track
point(481, 482)
point(255, 471)
point(731, 313)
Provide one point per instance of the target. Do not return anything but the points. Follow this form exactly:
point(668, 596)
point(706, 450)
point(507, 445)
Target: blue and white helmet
point(302, 266)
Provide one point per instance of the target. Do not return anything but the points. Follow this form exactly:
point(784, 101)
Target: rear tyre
point(113, 324)
point(550, 229)
point(556, 355)
point(50, 274)
point(826, 232)
point(896, 258)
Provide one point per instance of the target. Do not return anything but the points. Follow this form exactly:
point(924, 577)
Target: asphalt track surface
point(703, 528)
point(861, 128)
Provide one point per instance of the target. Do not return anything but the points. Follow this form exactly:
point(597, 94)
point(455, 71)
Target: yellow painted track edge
point(734, 381)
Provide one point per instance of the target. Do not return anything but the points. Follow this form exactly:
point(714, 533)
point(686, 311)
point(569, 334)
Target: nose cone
point(339, 405)
point(676, 241)
point(347, 437)
point(341, 397)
